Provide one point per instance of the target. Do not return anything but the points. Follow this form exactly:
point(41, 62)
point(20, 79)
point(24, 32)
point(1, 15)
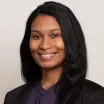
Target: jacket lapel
point(24, 95)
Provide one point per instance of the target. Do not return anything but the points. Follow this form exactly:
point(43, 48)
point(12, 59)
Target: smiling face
point(46, 43)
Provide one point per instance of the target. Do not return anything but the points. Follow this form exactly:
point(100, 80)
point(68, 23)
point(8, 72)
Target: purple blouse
point(41, 96)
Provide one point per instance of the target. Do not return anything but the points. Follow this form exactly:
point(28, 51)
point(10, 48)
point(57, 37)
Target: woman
point(54, 60)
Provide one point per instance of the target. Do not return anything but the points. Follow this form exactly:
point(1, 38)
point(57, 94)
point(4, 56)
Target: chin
point(47, 67)
point(50, 66)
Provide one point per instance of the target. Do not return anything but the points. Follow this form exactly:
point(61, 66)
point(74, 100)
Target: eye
point(55, 35)
point(36, 36)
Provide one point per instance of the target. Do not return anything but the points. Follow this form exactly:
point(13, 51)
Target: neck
point(50, 77)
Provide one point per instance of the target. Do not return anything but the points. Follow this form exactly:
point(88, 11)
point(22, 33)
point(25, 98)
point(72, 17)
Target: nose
point(45, 43)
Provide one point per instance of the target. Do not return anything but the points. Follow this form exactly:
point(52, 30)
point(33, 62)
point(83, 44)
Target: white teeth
point(46, 56)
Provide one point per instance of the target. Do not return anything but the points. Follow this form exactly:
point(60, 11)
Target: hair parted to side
point(75, 65)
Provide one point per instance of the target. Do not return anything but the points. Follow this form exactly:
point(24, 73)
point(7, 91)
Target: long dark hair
point(75, 65)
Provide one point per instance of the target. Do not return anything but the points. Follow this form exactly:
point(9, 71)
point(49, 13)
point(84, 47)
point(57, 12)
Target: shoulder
point(17, 93)
point(93, 92)
point(18, 90)
point(91, 86)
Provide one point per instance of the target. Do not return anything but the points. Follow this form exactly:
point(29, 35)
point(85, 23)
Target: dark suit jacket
point(91, 93)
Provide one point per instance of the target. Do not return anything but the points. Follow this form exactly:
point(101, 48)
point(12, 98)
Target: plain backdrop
point(13, 16)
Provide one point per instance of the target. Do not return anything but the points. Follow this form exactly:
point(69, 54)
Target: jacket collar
point(25, 93)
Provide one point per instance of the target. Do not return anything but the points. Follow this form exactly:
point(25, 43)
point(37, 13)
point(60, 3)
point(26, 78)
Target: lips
point(46, 56)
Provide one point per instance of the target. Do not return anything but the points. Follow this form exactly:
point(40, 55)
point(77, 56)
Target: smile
point(46, 56)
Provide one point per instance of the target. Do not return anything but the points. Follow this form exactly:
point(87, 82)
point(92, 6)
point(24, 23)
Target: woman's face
point(46, 43)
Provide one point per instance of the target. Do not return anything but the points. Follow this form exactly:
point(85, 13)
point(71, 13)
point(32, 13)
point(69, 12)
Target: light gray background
point(13, 16)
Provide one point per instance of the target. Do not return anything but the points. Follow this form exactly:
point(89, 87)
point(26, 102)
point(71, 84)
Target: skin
point(47, 48)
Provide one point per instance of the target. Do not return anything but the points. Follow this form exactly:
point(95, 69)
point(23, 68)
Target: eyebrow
point(39, 31)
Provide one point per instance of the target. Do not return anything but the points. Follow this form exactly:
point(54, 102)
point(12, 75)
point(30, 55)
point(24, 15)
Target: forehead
point(45, 22)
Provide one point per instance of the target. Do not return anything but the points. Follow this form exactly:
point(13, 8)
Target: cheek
point(60, 44)
point(33, 45)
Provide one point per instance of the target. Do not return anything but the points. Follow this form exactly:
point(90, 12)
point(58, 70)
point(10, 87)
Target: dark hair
point(75, 65)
